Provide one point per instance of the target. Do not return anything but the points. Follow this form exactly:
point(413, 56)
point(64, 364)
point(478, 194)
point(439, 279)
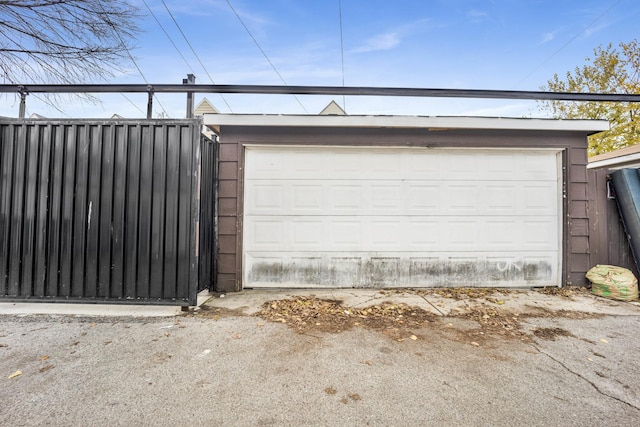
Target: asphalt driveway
point(226, 366)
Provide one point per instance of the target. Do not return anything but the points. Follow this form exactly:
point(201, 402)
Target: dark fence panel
point(99, 211)
point(208, 187)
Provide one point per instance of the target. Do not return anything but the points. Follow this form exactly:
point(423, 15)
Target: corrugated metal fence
point(104, 211)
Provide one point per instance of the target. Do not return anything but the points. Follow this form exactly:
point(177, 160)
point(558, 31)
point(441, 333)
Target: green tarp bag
point(613, 282)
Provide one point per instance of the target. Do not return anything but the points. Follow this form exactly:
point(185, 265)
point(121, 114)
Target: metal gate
point(100, 211)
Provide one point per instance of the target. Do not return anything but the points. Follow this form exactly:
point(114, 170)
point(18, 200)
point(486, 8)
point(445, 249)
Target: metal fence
point(103, 211)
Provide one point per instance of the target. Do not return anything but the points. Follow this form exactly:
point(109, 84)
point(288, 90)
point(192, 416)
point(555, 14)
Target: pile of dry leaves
point(310, 313)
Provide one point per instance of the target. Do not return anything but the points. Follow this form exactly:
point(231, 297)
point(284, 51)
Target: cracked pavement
point(241, 370)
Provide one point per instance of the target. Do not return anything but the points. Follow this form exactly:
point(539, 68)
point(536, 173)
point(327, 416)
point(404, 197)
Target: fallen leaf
point(500, 302)
point(330, 391)
point(354, 396)
point(604, 341)
point(413, 337)
point(15, 374)
point(46, 368)
point(589, 359)
point(44, 357)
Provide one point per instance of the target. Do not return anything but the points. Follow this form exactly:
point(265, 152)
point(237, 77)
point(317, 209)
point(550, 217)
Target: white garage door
point(387, 217)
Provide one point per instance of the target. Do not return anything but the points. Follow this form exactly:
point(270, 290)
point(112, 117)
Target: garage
point(401, 201)
point(400, 217)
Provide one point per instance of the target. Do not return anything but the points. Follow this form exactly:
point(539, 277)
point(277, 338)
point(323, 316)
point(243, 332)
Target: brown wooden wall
point(231, 171)
point(608, 240)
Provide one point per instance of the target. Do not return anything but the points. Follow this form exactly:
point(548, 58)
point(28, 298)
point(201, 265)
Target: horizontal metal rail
point(319, 90)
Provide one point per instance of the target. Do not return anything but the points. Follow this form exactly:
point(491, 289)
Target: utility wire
point(169, 37)
point(263, 52)
point(132, 103)
point(344, 101)
point(124, 46)
point(567, 43)
point(51, 104)
point(194, 52)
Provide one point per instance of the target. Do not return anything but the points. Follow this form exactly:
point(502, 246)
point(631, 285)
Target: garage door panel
point(461, 198)
point(346, 234)
point(306, 234)
point(398, 269)
point(394, 163)
point(425, 234)
point(307, 198)
point(268, 198)
point(400, 217)
point(385, 197)
point(362, 197)
point(378, 233)
point(461, 165)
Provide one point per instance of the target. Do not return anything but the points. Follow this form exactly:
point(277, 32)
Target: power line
point(567, 43)
point(344, 102)
point(263, 52)
point(124, 46)
point(132, 103)
point(194, 52)
point(169, 37)
point(51, 104)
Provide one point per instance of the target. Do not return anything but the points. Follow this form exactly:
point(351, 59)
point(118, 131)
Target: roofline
point(618, 157)
point(429, 122)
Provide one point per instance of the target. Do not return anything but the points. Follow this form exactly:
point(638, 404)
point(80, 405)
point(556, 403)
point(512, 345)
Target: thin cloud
point(547, 37)
point(477, 16)
point(393, 37)
point(385, 41)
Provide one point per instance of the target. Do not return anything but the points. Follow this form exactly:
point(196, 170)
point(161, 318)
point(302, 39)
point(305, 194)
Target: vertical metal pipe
point(23, 103)
point(190, 80)
point(150, 102)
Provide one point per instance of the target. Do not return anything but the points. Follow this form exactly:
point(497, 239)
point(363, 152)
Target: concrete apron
point(521, 301)
point(251, 301)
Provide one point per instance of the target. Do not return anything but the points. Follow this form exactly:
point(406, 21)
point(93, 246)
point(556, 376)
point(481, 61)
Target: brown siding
point(607, 239)
point(575, 223)
point(227, 216)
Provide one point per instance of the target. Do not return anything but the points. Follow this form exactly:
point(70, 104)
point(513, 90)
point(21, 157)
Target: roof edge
point(436, 122)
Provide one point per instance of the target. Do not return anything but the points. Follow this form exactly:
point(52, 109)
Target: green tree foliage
point(611, 70)
point(65, 41)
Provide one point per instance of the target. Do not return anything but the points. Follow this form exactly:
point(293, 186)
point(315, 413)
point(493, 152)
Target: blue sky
point(465, 44)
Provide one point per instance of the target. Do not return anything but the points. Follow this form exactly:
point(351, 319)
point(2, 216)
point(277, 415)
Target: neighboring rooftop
point(205, 107)
point(333, 109)
point(624, 157)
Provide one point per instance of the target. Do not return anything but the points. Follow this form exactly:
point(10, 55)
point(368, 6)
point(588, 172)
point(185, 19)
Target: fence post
point(23, 102)
point(190, 80)
point(150, 102)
